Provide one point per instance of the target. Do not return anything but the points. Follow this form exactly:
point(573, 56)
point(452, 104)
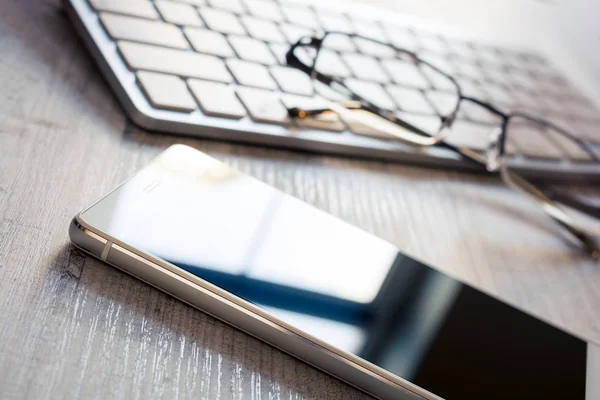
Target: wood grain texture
point(71, 326)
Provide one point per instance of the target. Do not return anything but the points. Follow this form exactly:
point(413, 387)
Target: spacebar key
point(176, 62)
point(263, 105)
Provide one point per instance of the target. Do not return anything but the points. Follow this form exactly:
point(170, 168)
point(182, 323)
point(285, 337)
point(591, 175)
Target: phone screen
point(340, 284)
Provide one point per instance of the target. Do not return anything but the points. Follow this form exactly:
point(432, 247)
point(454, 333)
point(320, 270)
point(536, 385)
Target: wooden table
point(71, 326)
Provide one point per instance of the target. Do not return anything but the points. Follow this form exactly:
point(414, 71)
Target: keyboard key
point(497, 76)
point(216, 99)
point(461, 49)
point(586, 130)
point(252, 50)
point(440, 62)
point(554, 104)
point(292, 81)
point(443, 102)
point(222, 21)
point(560, 121)
point(510, 147)
point(210, 42)
point(530, 102)
point(583, 112)
point(178, 13)
point(371, 92)
point(339, 42)
point(332, 22)
point(432, 43)
point(264, 9)
point(364, 67)
point(470, 135)
point(472, 89)
point(529, 58)
point(299, 15)
point(374, 49)
point(410, 100)
point(550, 78)
point(530, 141)
point(522, 79)
point(467, 69)
point(568, 146)
point(405, 73)
point(370, 29)
point(514, 59)
point(294, 33)
point(142, 30)
point(554, 84)
point(499, 95)
point(401, 38)
point(263, 106)
point(581, 107)
point(328, 92)
point(279, 51)
point(263, 30)
point(135, 8)
point(428, 124)
point(327, 121)
point(194, 2)
point(438, 81)
point(251, 74)
point(476, 113)
point(166, 92)
point(330, 63)
point(176, 62)
point(487, 54)
point(234, 6)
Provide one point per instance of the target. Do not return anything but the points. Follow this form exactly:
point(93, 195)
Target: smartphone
point(324, 291)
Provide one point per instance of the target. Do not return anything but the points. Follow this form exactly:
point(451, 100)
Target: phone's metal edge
point(306, 140)
point(245, 316)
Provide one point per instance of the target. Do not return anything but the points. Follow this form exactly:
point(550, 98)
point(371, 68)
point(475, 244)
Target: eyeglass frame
point(495, 162)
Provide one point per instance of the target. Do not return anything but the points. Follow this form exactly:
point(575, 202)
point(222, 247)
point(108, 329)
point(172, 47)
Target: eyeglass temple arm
point(553, 210)
point(571, 201)
point(297, 112)
point(590, 247)
point(593, 152)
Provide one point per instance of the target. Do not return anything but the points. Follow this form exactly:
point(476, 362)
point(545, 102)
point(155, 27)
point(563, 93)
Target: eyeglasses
point(319, 57)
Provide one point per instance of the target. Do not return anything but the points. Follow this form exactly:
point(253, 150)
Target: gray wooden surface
point(71, 326)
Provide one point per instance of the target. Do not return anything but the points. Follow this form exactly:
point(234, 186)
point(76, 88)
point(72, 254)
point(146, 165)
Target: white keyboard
point(216, 69)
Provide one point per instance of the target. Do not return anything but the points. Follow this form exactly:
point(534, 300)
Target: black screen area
point(341, 285)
